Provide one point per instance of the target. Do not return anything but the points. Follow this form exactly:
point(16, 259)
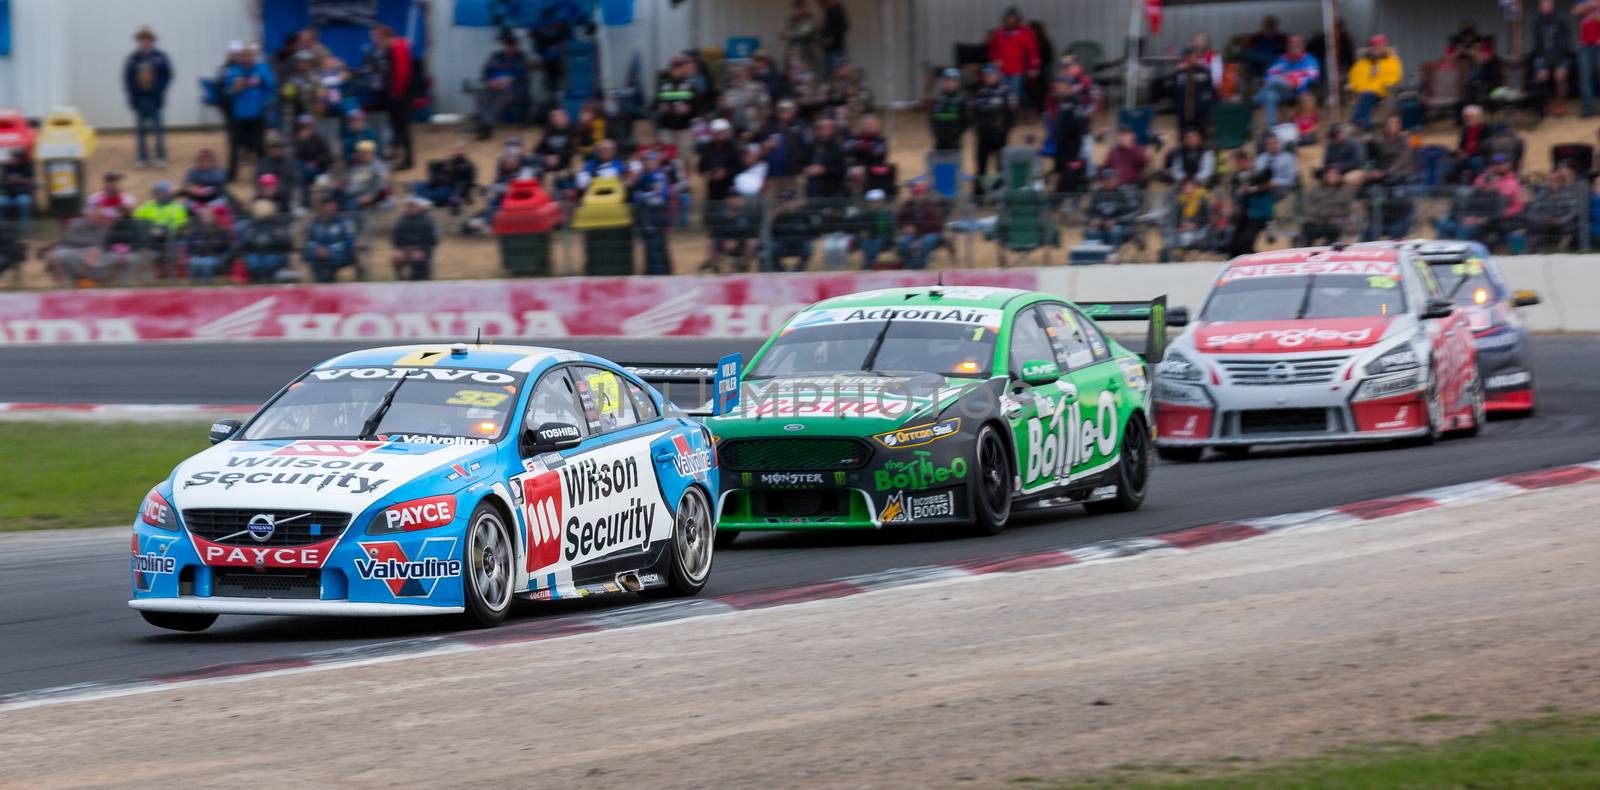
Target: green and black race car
point(938, 406)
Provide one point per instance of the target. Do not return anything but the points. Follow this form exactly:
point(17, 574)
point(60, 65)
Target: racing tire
point(487, 568)
point(180, 621)
point(726, 537)
point(1133, 472)
point(991, 487)
point(686, 564)
point(1180, 455)
point(1480, 408)
point(1434, 407)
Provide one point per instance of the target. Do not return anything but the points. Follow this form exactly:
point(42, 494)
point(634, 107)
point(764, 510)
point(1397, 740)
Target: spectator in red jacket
point(1127, 159)
point(1013, 47)
point(390, 61)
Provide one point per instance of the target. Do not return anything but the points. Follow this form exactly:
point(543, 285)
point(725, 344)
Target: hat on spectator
point(235, 47)
point(952, 74)
point(163, 187)
point(990, 68)
point(875, 195)
point(721, 125)
point(419, 201)
point(305, 54)
point(788, 104)
point(366, 146)
point(1378, 40)
point(220, 211)
point(144, 33)
point(267, 179)
point(1499, 159)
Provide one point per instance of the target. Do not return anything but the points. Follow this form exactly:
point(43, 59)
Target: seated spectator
point(1472, 147)
point(210, 245)
point(735, 232)
point(1343, 151)
point(829, 167)
point(556, 149)
point(1292, 74)
point(270, 189)
point(206, 181)
point(1254, 201)
point(1387, 209)
point(1264, 47)
point(312, 156)
point(1126, 159)
point(415, 237)
point(1307, 119)
point(588, 131)
point(653, 192)
point(1191, 219)
point(1111, 209)
point(266, 242)
point(279, 163)
point(874, 228)
point(869, 157)
point(720, 160)
point(1550, 55)
point(1281, 166)
point(16, 189)
point(367, 179)
point(164, 219)
point(80, 258)
point(1479, 215)
point(679, 98)
point(921, 227)
point(795, 229)
point(1193, 91)
point(1389, 151)
point(451, 181)
point(356, 132)
point(1552, 215)
point(1504, 180)
point(1191, 160)
point(504, 85)
point(1372, 78)
point(1462, 43)
point(110, 203)
point(744, 101)
point(331, 241)
point(1328, 208)
point(1484, 75)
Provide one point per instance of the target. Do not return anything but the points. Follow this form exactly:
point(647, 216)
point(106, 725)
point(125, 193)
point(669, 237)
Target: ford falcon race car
point(936, 406)
point(1344, 343)
point(432, 480)
point(1505, 358)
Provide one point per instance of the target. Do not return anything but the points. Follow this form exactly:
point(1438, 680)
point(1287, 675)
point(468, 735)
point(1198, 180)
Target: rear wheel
point(1479, 400)
point(179, 621)
point(991, 488)
point(1133, 471)
point(486, 568)
point(688, 558)
point(1180, 455)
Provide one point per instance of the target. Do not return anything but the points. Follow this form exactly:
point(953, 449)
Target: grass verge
point(88, 474)
point(1561, 751)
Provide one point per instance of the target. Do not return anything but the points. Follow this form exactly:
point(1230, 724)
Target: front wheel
point(486, 568)
point(1133, 472)
point(179, 621)
point(992, 487)
point(688, 558)
point(1479, 401)
point(1433, 406)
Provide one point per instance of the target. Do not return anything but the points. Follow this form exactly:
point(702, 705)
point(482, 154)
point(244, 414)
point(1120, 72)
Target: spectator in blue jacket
point(331, 242)
point(504, 85)
point(251, 88)
point(145, 77)
point(1294, 72)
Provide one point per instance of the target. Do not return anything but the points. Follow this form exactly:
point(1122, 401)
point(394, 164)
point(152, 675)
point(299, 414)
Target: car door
point(1448, 338)
point(1034, 410)
point(1092, 423)
point(537, 489)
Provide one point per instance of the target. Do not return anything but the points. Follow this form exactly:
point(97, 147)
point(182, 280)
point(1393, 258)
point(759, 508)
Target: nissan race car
point(432, 480)
point(936, 406)
point(1344, 343)
point(1505, 357)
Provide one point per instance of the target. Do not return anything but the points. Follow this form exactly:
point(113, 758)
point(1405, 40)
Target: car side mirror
point(551, 436)
point(223, 430)
point(1038, 372)
point(1525, 298)
point(1178, 317)
point(1438, 308)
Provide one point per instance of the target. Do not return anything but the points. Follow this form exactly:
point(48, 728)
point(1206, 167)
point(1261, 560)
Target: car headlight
point(1400, 358)
point(1388, 386)
point(1177, 367)
point(157, 512)
point(1186, 394)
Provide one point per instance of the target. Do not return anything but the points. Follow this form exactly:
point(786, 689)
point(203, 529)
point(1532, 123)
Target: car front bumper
point(1244, 415)
point(219, 605)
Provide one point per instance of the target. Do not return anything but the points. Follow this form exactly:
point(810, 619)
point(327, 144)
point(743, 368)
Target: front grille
point(231, 527)
point(1277, 372)
point(759, 455)
point(1260, 421)
point(246, 583)
point(801, 504)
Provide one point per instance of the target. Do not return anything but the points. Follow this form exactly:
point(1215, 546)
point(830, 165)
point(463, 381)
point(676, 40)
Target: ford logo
point(261, 527)
point(794, 426)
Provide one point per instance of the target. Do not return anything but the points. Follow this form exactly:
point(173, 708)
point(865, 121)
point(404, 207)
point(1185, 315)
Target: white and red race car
point(1342, 343)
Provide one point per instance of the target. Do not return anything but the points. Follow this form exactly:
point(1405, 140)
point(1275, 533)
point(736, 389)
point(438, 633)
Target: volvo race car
point(936, 406)
point(1354, 343)
point(432, 480)
point(1471, 279)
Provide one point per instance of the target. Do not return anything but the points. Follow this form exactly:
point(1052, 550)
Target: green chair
point(1024, 224)
point(1230, 124)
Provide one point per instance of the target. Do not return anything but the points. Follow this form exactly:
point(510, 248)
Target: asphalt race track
point(66, 621)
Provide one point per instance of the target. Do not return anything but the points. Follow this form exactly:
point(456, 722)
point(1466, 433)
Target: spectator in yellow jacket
point(1372, 76)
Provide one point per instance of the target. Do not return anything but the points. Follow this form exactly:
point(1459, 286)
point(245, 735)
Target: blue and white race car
point(432, 480)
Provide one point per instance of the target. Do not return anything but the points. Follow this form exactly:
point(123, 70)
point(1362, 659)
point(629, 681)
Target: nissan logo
point(261, 527)
point(1281, 372)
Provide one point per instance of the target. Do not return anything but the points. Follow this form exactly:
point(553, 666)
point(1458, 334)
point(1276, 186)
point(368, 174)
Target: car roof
point(945, 295)
point(485, 356)
point(1385, 253)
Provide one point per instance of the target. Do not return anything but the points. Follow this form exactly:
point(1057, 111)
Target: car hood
point(856, 405)
point(1255, 337)
point(334, 475)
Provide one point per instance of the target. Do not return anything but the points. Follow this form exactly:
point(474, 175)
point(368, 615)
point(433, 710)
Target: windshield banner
point(752, 305)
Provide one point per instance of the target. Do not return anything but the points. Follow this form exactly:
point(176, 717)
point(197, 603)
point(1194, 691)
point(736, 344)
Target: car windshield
point(339, 403)
point(1306, 296)
point(1466, 282)
point(891, 348)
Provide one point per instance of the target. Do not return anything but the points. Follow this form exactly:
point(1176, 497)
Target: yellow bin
point(65, 135)
point(604, 205)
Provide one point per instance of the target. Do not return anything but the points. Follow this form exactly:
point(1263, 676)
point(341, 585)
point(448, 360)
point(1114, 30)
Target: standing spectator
point(677, 99)
point(549, 38)
point(1328, 208)
point(1127, 160)
point(1112, 206)
point(1264, 47)
point(1292, 74)
point(1253, 204)
point(1550, 55)
point(1191, 161)
point(266, 242)
point(800, 36)
point(787, 142)
point(313, 156)
point(399, 86)
point(165, 219)
point(415, 236)
point(831, 38)
point(1343, 152)
point(367, 180)
point(298, 89)
point(921, 224)
point(605, 163)
point(250, 89)
point(652, 193)
point(331, 240)
point(994, 110)
point(1192, 91)
point(16, 189)
point(1013, 48)
point(826, 175)
point(332, 104)
point(1378, 72)
point(745, 102)
point(503, 85)
point(1281, 167)
point(947, 118)
point(1040, 79)
point(145, 77)
point(1201, 44)
point(795, 228)
point(110, 202)
point(720, 161)
point(1588, 14)
point(1069, 134)
point(210, 244)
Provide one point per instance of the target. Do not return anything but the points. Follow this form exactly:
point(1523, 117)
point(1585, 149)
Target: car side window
point(555, 400)
point(1066, 329)
point(1028, 340)
point(605, 399)
point(642, 404)
point(1430, 284)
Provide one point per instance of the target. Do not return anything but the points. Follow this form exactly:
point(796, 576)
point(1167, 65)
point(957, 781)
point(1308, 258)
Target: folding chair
point(1442, 86)
point(1024, 225)
point(1231, 122)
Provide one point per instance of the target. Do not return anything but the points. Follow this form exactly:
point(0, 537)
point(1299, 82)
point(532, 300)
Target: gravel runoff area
point(1416, 627)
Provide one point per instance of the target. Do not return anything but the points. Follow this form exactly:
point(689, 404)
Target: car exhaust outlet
point(630, 581)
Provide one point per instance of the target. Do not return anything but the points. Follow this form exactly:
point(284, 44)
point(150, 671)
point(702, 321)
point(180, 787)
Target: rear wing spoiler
point(1155, 311)
point(707, 391)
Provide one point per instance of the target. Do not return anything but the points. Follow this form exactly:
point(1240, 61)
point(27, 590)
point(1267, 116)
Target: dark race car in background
point(1476, 285)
